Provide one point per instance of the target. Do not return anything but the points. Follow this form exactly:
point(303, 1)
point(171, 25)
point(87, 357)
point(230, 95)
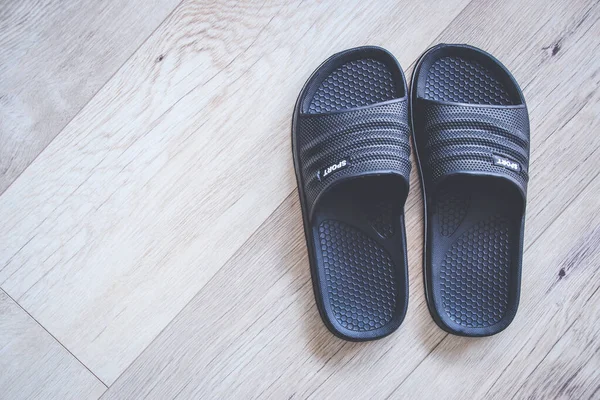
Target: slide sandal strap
point(366, 141)
point(476, 140)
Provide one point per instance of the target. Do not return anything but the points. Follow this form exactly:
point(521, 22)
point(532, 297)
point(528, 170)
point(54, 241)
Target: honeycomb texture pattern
point(380, 216)
point(452, 206)
point(475, 273)
point(354, 84)
point(361, 284)
point(464, 80)
point(465, 138)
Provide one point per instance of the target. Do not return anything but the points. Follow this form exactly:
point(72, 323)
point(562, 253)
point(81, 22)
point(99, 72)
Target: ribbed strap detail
point(475, 139)
point(370, 140)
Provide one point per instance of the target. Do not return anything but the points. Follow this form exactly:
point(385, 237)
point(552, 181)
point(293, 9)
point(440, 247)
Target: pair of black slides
point(351, 148)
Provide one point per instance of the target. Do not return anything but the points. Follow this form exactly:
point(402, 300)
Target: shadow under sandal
point(471, 136)
point(350, 141)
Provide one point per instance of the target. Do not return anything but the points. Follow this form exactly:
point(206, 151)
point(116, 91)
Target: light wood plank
point(272, 343)
point(35, 366)
point(570, 369)
point(175, 163)
point(54, 56)
point(267, 340)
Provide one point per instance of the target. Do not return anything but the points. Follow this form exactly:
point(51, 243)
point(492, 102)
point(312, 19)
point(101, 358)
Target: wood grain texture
point(35, 366)
point(54, 56)
point(272, 343)
point(169, 203)
point(571, 367)
point(267, 339)
point(550, 305)
point(180, 157)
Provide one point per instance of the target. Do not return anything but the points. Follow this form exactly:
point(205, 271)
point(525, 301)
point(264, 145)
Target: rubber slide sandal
point(471, 137)
point(351, 149)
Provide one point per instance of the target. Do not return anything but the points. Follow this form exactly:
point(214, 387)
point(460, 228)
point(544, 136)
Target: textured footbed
point(358, 226)
point(472, 229)
point(356, 83)
point(463, 80)
point(357, 233)
point(473, 223)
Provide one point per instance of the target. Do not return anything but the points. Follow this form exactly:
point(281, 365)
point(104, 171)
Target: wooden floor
point(151, 240)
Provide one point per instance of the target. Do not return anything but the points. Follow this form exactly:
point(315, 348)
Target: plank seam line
point(206, 284)
point(55, 339)
point(253, 234)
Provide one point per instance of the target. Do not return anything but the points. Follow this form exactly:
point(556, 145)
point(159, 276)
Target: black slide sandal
point(471, 137)
point(350, 143)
